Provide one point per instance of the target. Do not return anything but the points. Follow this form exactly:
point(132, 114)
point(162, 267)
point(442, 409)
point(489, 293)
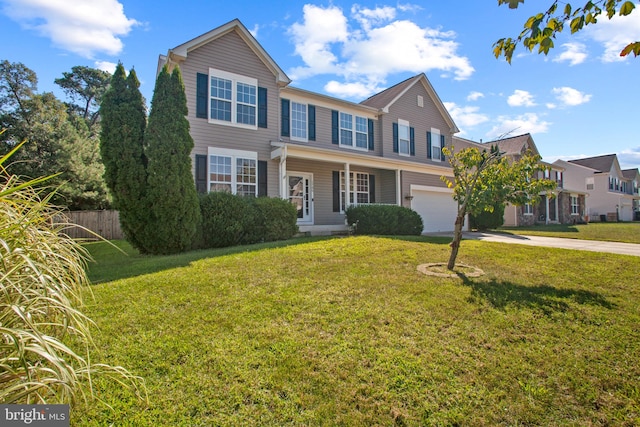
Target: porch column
point(546, 207)
point(555, 202)
point(347, 185)
point(398, 189)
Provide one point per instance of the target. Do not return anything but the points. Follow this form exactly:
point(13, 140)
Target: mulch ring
point(439, 269)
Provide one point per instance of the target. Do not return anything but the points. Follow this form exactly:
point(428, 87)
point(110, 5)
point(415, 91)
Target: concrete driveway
point(552, 242)
point(556, 242)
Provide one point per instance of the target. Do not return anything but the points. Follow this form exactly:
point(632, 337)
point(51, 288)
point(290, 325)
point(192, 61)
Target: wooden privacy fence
point(104, 223)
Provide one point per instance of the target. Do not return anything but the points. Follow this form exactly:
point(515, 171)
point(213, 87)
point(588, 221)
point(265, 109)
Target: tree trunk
point(457, 237)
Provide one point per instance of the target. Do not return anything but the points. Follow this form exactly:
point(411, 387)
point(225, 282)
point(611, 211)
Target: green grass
point(628, 232)
point(345, 331)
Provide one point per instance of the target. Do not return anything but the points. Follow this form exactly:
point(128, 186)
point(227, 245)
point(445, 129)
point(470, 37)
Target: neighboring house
point(560, 206)
point(612, 193)
point(257, 135)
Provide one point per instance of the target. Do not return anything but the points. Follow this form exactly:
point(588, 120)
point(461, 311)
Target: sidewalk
point(554, 242)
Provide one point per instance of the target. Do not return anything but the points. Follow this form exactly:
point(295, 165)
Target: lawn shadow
point(545, 298)
point(118, 260)
point(557, 228)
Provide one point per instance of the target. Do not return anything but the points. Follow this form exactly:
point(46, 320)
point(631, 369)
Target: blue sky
point(581, 100)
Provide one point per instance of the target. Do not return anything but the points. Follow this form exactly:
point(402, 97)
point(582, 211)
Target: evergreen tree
point(123, 118)
point(171, 192)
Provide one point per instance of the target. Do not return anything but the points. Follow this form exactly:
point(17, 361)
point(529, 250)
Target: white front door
point(301, 195)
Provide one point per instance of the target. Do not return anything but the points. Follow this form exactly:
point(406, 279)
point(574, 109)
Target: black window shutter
point(412, 142)
point(442, 142)
point(311, 112)
point(335, 134)
point(336, 191)
point(370, 130)
point(395, 137)
point(284, 124)
point(201, 173)
point(202, 93)
point(262, 107)
point(262, 178)
point(372, 188)
point(428, 145)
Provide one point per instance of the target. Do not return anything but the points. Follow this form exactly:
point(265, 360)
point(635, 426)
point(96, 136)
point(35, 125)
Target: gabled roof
point(383, 100)
point(631, 173)
point(515, 145)
point(180, 53)
point(598, 163)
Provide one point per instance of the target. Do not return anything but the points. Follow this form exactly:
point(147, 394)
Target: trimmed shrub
point(488, 220)
point(273, 219)
point(384, 220)
point(224, 219)
point(229, 220)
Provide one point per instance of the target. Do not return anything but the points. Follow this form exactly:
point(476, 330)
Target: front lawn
point(345, 331)
point(628, 232)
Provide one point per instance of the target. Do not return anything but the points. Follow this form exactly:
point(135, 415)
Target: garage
point(436, 207)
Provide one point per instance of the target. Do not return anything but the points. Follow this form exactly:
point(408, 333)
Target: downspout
point(398, 188)
point(283, 172)
point(347, 186)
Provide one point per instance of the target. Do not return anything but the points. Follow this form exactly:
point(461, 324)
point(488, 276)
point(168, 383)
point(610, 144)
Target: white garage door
point(437, 209)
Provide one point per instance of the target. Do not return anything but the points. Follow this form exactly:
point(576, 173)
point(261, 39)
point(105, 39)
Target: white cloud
point(629, 158)
point(370, 46)
point(84, 27)
point(474, 96)
point(574, 53)
point(521, 98)
point(615, 34)
point(569, 96)
point(254, 31)
point(408, 7)
point(314, 37)
point(109, 67)
point(359, 90)
point(526, 123)
point(465, 116)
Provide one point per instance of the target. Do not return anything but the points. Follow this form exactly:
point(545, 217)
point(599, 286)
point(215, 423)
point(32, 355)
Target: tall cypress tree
point(123, 118)
point(171, 193)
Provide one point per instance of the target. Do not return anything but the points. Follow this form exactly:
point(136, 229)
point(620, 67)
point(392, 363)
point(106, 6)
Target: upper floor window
point(404, 138)
point(590, 183)
point(354, 131)
point(233, 99)
point(299, 121)
point(436, 145)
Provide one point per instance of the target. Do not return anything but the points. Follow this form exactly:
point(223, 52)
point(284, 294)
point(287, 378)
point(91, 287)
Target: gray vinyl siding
point(422, 119)
point(323, 132)
point(230, 53)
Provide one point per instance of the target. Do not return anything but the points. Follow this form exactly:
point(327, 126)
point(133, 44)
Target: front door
point(301, 195)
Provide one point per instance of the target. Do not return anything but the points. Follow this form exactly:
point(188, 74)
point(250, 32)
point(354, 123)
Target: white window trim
point(408, 126)
point(346, 193)
point(528, 209)
point(435, 142)
point(577, 204)
point(235, 79)
point(306, 122)
point(353, 131)
point(234, 154)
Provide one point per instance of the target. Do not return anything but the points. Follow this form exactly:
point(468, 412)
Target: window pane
point(246, 177)
point(220, 88)
point(246, 94)
point(220, 169)
point(246, 114)
point(346, 137)
point(346, 129)
point(220, 110)
point(298, 120)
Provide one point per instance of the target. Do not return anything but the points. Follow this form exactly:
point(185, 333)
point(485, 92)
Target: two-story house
point(255, 134)
point(560, 206)
point(612, 193)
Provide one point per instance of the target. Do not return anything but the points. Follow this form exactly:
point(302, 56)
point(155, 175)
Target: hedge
point(384, 220)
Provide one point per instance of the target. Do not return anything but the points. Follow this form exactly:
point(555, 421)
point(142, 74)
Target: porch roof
point(298, 151)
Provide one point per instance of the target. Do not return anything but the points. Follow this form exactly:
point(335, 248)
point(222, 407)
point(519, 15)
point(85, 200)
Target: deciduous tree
point(484, 179)
point(541, 29)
